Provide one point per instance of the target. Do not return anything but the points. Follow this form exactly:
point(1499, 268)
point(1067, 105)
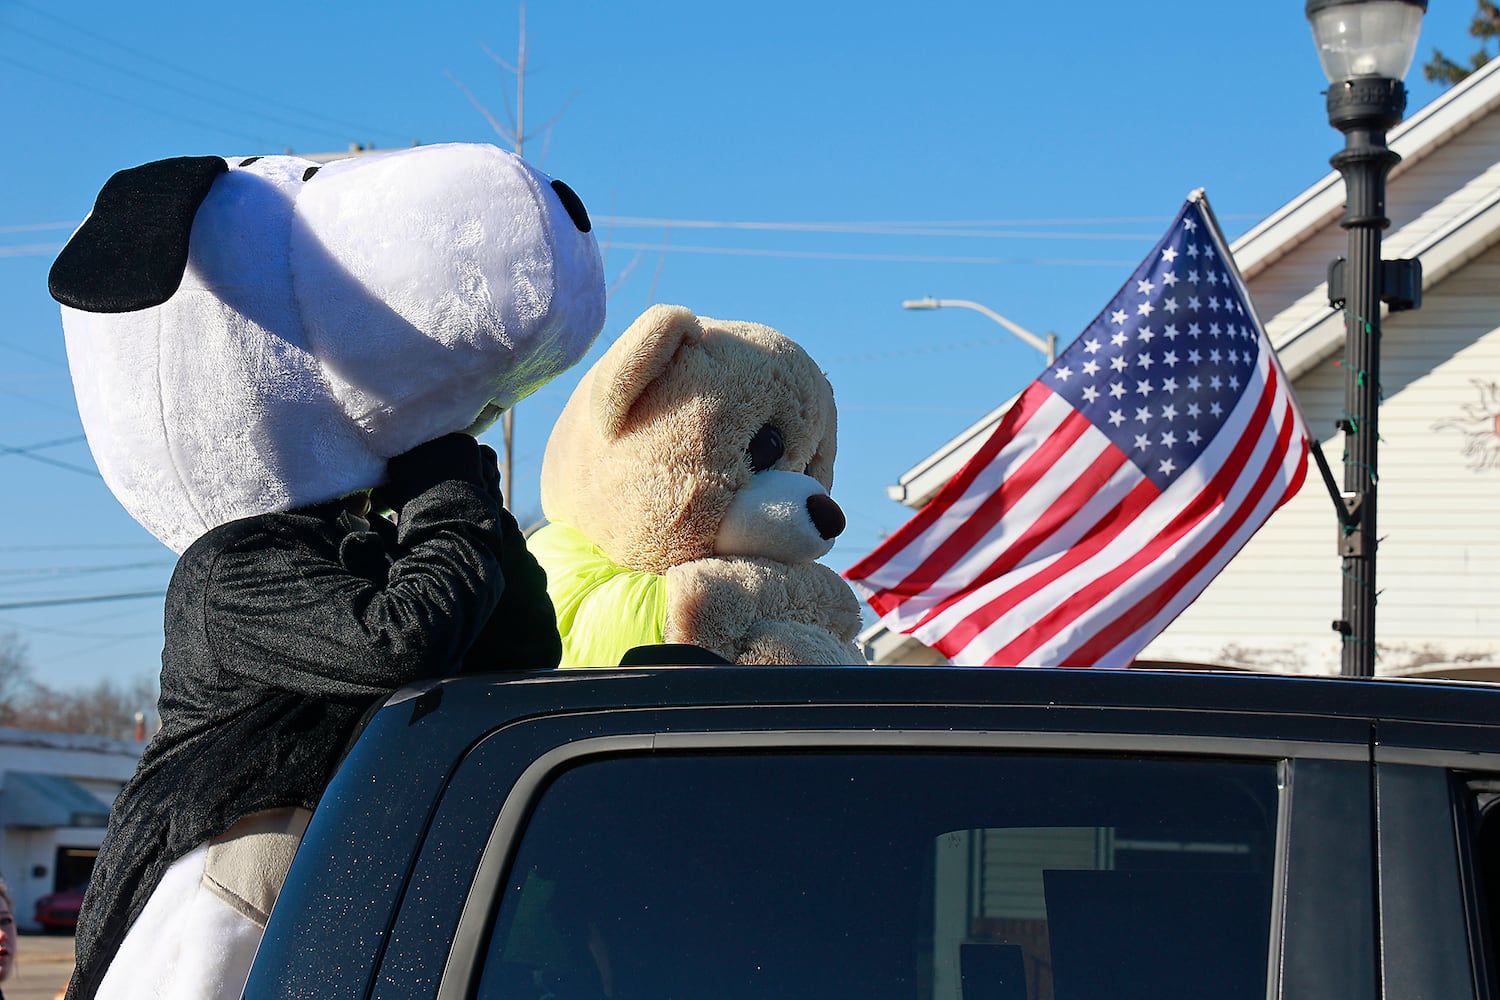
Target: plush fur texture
point(187, 944)
point(652, 460)
point(327, 318)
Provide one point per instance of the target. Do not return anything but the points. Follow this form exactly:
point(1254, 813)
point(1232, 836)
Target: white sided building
point(55, 794)
point(1438, 567)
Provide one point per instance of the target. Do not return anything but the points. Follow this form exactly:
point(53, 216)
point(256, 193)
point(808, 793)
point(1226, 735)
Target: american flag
point(1116, 487)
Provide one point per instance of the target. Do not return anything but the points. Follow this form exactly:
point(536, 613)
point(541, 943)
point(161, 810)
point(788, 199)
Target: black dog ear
point(132, 251)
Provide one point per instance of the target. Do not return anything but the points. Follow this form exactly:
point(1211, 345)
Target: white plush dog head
point(259, 334)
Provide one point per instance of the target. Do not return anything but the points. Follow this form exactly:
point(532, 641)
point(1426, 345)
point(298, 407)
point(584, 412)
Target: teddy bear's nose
point(827, 516)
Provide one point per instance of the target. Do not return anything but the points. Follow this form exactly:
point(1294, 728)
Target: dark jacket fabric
point(282, 631)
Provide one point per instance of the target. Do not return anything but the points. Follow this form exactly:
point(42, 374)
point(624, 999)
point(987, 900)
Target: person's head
point(7, 931)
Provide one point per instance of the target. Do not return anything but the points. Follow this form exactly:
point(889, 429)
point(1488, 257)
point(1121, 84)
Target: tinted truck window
point(885, 875)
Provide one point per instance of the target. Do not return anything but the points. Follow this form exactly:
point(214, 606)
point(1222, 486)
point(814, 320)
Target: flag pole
point(1201, 197)
point(1344, 507)
point(1313, 444)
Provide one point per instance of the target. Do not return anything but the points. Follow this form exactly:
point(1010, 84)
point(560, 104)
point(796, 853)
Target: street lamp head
point(1365, 38)
point(923, 303)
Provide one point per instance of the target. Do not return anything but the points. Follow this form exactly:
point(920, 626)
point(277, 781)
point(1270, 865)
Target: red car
point(58, 912)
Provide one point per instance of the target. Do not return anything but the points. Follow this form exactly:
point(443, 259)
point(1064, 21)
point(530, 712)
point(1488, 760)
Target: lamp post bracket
point(1400, 283)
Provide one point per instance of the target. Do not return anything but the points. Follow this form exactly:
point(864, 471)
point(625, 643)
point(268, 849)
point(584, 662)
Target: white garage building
point(55, 793)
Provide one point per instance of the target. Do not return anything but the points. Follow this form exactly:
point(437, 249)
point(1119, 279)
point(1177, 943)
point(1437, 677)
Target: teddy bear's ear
point(638, 358)
point(132, 250)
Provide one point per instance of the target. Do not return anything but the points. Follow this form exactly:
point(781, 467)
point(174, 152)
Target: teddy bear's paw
point(794, 643)
point(818, 596)
point(714, 602)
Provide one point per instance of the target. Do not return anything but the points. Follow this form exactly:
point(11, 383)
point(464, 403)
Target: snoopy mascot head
point(255, 334)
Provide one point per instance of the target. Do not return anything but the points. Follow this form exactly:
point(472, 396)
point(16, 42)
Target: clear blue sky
point(804, 164)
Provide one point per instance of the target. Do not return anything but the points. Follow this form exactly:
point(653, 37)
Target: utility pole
point(508, 419)
point(516, 137)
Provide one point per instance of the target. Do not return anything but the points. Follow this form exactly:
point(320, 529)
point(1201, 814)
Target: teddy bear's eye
point(765, 449)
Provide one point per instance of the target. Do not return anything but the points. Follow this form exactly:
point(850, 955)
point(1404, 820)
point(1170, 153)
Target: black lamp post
point(1366, 47)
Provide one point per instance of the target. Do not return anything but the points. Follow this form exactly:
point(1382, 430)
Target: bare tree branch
point(546, 126)
point(15, 675)
point(510, 111)
point(501, 62)
point(495, 124)
point(107, 708)
point(624, 273)
point(661, 262)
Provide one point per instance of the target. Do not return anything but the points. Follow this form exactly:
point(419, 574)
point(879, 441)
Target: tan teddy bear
point(686, 485)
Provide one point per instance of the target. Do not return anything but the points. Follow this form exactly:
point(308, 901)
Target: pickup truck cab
point(902, 833)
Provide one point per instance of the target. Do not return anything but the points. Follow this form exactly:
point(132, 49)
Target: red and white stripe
point(1051, 548)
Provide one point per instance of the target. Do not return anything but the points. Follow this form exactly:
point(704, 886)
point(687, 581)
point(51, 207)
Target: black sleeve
point(522, 633)
point(283, 613)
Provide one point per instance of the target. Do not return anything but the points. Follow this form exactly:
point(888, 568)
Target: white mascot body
point(257, 335)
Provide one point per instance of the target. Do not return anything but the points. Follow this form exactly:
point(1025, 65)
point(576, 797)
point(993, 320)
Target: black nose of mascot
point(827, 516)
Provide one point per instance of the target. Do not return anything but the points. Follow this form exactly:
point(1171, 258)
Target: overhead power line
point(30, 249)
point(218, 83)
point(961, 228)
point(800, 254)
point(78, 633)
point(114, 96)
point(54, 443)
point(38, 227)
point(200, 95)
point(29, 451)
point(11, 578)
point(37, 355)
point(88, 546)
point(964, 230)
point(874, 257)
point(95, 599)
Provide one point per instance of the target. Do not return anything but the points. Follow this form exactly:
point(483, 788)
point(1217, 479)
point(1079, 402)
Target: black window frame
point(1432, 940)
point(1306, 957)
